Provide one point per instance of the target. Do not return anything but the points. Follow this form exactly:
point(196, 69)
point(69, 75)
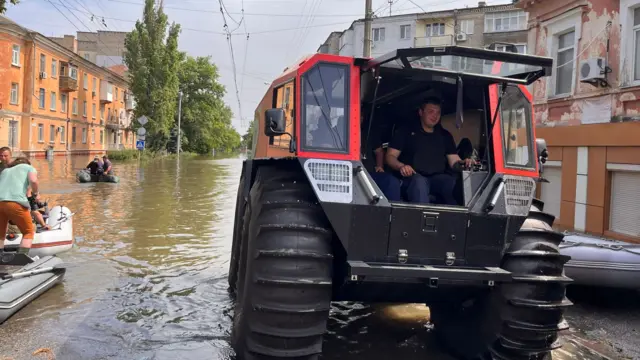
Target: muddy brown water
point(147, 277)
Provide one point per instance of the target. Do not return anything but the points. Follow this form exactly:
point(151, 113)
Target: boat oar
point(54, 269)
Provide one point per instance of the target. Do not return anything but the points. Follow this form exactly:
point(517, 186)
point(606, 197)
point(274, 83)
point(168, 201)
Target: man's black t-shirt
point(425, 152)
point(377, 137)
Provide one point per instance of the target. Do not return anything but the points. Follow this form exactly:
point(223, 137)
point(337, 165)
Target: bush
point(133, 154)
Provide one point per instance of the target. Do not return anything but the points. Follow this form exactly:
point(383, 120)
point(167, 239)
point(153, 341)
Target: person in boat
point(423, 154)
point(36, 205)
point(96, 167)
point(5, 157)
point(106, 165)
point(15, 180)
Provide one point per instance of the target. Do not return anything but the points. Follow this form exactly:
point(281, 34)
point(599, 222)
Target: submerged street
point(147, 279)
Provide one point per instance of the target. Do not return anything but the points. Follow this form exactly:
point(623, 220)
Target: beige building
point(104, 48)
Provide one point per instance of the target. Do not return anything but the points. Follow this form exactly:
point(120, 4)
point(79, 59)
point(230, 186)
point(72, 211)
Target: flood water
point(147, 278)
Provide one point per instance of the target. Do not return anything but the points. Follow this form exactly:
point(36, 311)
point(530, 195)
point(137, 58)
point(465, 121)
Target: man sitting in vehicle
point(106, 165)
point(374, 163)
point(422, 154)
point(96, 166)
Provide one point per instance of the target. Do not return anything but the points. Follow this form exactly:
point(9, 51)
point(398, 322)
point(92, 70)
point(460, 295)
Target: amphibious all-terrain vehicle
point(312, 226)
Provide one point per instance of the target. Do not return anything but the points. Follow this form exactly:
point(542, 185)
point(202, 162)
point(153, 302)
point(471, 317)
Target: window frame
point(53, 98)
point(405, 32)
point(567, 22)
point(42, 101)
point(493, 16)
point(17, 94)
point(530, 135)
point(63, 103)
point(63, 134)
point(558, 50)
point(41, 133)
point(627, 8)
point(283, 140)
point(462, 29)
point(73, 72)
point(15, 55)
point(84, 108)
point(347, 111)
point(73, 135)
point(52, 134)
point(74, 106)
point(54, 68)
point(379, 31)
point(84, 135)
point(43, 62)
point(93, 110)
point(85, 81)
point(429, 29)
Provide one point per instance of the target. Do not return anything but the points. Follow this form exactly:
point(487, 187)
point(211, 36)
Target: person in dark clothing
point(5, 157)
point(108, 170)
point(96, 166)
point(423, 154)
point(374, 163)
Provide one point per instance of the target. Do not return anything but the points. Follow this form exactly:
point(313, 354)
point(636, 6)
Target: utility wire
point(233, 59)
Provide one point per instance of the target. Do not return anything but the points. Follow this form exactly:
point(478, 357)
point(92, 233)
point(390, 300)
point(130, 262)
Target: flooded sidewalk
point(147, 279)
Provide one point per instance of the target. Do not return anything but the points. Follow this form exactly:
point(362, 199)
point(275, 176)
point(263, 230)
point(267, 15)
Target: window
point(636, 43)
point(54, 101)
point(63, 103)
point(85, 81)
point(54, 68)
point(93, 111)
point(325, 97)
point(86, 56)
point(52, 133)
point(101, 112)
point(378, 34)
point(435, 30)
point(116, 94)
point(63, 138)
point(405, 32)
point(15, 55)
point(93, 136)
point(41, 99)
point(40, 133)
point(84, 135)
point(466, 26)
point(505, 21)
point(625, 202)
point(43, 63)
point(73, 73)
point(93, 86)
point(515, 116)
point(284, 99)
point(74, 106)
point(15, 93)
point(522, 48)
point(84, 108)
point(564, 63)
point(73, 134)
point(102, 137)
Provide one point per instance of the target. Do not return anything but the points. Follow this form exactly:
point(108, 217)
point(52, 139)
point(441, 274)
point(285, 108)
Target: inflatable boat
point(48, 242)
point(84, 176)
point(601, 262)
point(34, 277)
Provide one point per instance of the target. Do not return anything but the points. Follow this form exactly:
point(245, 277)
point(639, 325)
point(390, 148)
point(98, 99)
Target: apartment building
point(589, 112)
point(474, 26)
point(104, 48)
point(56, 99)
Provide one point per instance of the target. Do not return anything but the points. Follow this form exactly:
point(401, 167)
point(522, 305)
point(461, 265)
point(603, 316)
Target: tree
point(152, 57)
point(3, 5)
point(206, 119)
point(247, 138)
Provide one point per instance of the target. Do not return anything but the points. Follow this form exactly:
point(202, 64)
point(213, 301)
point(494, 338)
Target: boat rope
point(568, 244)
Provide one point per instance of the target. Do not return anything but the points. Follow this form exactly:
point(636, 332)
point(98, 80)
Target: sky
point(279, 32)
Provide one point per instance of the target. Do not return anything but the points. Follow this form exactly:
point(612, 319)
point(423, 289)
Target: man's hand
point(468, 163)
point(379, 169)
point(407, 170)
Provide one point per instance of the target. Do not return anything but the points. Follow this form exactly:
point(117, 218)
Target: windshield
point(324, 124)
point(516, 120)
point(469, 65)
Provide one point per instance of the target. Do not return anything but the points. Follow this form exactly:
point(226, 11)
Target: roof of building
point(119, 69)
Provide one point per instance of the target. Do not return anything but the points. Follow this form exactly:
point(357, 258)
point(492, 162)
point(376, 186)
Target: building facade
point(589, 113)
point(54, 99)
point(475, 27)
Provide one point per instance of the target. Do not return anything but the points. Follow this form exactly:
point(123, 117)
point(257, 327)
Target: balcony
point(112, 146)
point(428, 41)
point(106, 92)
point(129, 102)
point(113, 122)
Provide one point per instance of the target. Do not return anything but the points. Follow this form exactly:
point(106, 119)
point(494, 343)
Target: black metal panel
point(369, 232)
point(471, 183)
point(432, 275)
point(428, 233)
point(486, 237)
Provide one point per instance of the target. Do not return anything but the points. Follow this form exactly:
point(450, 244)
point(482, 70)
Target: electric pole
point(367, 29)
point(390, 5)
point(179, 114)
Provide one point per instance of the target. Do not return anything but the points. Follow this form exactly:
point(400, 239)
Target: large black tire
point(283, 303)
point(517, 320)
point(237, 237)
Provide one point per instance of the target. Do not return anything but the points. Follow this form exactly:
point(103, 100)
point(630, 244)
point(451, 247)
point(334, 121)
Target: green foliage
point(152, 58)
point(3, 5)
point(247, 138)
point(206, 119)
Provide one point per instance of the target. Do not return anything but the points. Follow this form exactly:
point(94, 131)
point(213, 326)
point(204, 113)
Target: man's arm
point(392, 158)
point(33, 181)
point(379, 152)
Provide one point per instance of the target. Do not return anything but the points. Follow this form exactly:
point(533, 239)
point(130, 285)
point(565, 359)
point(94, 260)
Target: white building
point(387, 34)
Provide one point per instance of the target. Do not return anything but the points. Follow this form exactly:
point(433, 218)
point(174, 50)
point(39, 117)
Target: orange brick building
point(52, 98)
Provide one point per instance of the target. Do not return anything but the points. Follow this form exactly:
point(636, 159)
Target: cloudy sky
point(280, 31)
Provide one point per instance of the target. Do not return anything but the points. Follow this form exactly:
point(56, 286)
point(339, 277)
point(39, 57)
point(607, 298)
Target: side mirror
point(274, 122)
point(543, 154)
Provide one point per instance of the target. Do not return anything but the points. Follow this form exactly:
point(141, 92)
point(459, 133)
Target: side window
point(284, 100)
point(517, 139)
point(325, 98)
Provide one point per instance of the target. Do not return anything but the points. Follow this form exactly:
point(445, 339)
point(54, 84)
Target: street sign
point(142, 137)
point(139, 144)
point(143, 120)
point(142, 131)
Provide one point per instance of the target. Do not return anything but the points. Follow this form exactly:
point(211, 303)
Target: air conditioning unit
point(43, 75)
point(593, 70)
point(461, 36)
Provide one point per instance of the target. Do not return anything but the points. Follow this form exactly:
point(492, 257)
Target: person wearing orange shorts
point(15, 180)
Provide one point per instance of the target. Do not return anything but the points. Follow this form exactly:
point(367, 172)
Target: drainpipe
point(29, 103)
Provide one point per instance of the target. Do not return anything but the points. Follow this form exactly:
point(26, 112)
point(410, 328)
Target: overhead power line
point(233, 59)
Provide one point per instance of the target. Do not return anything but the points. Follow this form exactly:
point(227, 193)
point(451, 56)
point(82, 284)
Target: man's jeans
point(389, 184)
point(418, 188)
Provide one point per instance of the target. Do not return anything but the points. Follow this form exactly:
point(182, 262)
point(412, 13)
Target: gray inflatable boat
point(601, 262)
point(29, 279)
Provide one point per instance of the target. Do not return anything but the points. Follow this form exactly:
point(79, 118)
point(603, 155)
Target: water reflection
point(148, 278)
